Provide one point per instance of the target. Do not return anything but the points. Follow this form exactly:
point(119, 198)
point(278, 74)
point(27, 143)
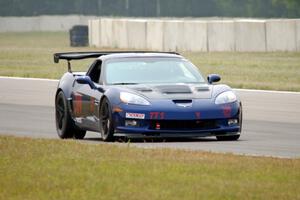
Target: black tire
point(65, 125)
point(241, 117)
point(78, 134)
point(106, 121)
point(228, 138)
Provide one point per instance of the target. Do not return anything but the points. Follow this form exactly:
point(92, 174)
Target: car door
point(89, 98)
point(79, 101)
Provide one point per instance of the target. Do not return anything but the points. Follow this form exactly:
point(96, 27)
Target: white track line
point(28, 79)
point(267, 91)
point(242, 90)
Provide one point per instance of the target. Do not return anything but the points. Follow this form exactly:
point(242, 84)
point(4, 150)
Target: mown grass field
point(68, 169)
point(30, 55)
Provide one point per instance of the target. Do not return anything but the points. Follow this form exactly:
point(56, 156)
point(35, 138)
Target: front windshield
point(151, 70)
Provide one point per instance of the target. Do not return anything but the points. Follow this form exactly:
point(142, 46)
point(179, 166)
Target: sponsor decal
point(135, 115)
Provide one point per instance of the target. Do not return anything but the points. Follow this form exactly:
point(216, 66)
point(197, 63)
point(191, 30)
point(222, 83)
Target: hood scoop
point(174, 89)
point(143, 89)
point(202, 88)
point(183, 102)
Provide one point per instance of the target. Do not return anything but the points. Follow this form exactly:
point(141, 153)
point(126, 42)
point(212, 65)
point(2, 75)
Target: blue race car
point(143, 94)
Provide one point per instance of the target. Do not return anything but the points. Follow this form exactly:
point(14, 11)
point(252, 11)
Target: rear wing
point(93, 54)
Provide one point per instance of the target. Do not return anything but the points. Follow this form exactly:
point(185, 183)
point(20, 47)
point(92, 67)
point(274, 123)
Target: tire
point(65, 125)
point(106, 121)
point(228, 138)
point(78, 134)
point(241, 117)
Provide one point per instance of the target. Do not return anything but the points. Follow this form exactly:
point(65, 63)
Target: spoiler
point(93, 54)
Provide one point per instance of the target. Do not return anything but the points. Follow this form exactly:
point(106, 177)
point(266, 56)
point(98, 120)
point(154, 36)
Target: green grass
point(68, 169)
point(30, 55)
point(270, 71)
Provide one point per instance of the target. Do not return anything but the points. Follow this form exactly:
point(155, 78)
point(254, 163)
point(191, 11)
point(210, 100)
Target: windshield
point(151, 70)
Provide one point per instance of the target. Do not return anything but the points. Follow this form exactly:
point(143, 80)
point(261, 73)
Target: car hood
point(172, 91)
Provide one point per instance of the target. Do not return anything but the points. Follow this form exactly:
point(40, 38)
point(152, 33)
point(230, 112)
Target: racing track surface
point(271, 120)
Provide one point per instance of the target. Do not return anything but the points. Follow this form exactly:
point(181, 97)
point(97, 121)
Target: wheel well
point(61, 90)
point(69, 106)
point(57, 91)
point(101, 100)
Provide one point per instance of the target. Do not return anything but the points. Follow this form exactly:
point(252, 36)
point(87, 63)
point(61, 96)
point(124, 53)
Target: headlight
point(226, 97)
point(130, 98)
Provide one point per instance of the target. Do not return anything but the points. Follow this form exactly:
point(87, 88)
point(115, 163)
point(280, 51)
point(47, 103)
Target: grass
point(30, 55)
point(270, 71)
point(67, 169)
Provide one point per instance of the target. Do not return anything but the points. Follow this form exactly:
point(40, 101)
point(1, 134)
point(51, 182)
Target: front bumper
point(187, 123)
point(176, 134)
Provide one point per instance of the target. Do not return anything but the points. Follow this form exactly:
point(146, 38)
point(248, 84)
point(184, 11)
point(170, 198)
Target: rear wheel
point(79, 134)
point(65, 126)
point(106, 122)
point(228, 138)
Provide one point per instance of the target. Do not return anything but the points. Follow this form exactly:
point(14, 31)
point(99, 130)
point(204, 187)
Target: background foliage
point(154, 8)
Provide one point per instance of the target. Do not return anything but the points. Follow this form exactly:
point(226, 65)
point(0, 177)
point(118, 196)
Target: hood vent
point(202, 88)
point(143, 89)
point(174, 89)
point(183, 102)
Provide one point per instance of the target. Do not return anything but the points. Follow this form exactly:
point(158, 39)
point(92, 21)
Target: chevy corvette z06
point(143, 94)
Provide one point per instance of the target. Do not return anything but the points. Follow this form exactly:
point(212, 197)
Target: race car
point(143, 95)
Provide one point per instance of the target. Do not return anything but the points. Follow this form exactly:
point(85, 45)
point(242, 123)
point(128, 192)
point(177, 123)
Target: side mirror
point(86, 80)
point(100, 89)
point(212, 78)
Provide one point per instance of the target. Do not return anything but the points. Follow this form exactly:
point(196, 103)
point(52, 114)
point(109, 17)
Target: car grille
point(183, 124)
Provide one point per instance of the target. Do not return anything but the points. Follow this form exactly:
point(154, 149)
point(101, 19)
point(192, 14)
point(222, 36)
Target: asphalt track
point(271, 120)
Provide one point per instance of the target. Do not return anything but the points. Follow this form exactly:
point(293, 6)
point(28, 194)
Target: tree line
point(154, 8)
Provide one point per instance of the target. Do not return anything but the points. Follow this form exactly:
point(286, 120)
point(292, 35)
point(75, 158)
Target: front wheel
point(65, 126)
point(106, 121)
point(228, 138)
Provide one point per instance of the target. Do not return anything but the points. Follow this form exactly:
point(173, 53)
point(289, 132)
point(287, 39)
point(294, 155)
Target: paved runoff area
point(271, 125)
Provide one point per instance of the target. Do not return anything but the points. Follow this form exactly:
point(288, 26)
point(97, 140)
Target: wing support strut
point(69, 67)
